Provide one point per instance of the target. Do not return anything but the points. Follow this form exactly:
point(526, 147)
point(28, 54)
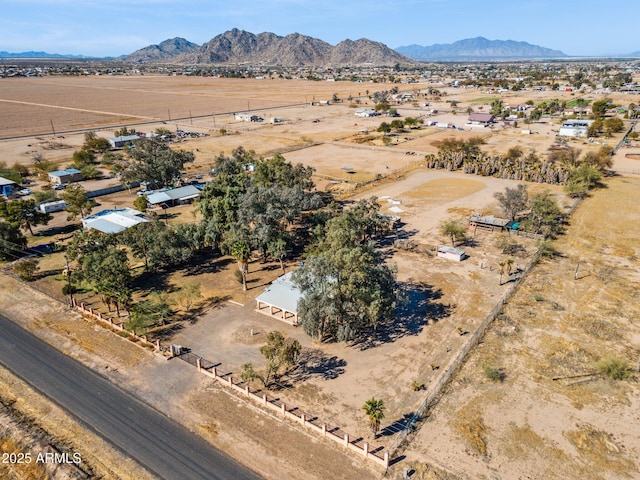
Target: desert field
point(553, 415)
point(447, 300)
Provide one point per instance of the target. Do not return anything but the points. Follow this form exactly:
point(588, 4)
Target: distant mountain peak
point(294, 49)
point(479, 48)
point(163, 51)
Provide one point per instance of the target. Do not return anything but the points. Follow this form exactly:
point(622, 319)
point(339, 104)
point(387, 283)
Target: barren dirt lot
point(553, 416)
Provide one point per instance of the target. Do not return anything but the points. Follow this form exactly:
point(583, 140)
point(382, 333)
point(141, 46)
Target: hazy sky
point(119, 27)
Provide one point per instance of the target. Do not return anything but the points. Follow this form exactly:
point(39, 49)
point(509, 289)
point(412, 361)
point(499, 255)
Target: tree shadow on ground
point(201, 264)
point(152, 281)
point(193, 315)
point(396, 234)
point(313, 362)
point(418, 307)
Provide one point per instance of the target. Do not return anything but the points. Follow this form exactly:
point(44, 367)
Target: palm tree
point(375, 411)
point(501, 270)
point(241, 251)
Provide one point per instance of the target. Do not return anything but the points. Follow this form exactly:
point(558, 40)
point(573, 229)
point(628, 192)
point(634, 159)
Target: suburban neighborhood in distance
point(327, 261)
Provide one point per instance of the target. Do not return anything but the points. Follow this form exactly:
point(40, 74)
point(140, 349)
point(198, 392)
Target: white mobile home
point(451, 253)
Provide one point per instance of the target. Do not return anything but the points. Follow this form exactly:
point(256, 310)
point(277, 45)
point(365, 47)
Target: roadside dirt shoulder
point(265, 444)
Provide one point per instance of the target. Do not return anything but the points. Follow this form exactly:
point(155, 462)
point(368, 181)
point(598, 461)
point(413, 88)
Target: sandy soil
point(532, 425)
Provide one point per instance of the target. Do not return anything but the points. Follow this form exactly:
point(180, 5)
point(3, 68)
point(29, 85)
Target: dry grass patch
point(425, 471)
point(8, 470)
point(562, 357)
point(600, 450)
point(470, 425)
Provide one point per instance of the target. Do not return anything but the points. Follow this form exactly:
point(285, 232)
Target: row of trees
point(578, 172)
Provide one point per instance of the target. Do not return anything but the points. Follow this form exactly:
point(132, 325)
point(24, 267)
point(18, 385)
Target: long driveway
point(162, 446)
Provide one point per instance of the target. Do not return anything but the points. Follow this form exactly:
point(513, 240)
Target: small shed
point(280, 300)
point(451, 253)
point(65, 176)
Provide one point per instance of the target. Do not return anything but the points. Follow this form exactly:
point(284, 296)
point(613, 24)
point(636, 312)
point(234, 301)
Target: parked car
point(25, 191)
point(60, 186)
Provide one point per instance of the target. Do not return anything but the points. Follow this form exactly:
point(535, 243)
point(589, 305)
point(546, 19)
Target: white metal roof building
point(174, 195)
point(114, 221)
point(280, 300)
point(575, 128)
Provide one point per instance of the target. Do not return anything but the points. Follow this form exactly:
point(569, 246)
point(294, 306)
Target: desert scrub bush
point(614, 368)
point(494, 374)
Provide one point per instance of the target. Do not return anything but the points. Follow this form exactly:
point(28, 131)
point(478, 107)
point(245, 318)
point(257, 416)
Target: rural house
point(173, 196)
point(65, 176)
point(481, 119)
point(120, 142)
point(575, 128)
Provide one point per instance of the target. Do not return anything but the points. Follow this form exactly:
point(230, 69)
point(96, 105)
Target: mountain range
point(479, 48)
point(32, 54)
point(241, 47)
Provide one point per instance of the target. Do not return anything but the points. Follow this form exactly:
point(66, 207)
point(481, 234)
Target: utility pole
point(54, 130)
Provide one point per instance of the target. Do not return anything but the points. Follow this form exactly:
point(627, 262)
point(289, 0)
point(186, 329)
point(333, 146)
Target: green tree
point(26, 268)
point(141, 203)
point(346, 285)
point(496, 107)
point(374, 409)
point(512, 201)
point(581, 180)
point(278, 250)
point(158, 244)
point(384, 127)
point(613, 125)
point(82, 158)
point(12, 174)
point(78, 204)
point(124, 132)
point(156, 163)
point(454, 230)
point(600, 107)
point(153, 311)
point(95, 144)
point(107, 270)
point(241, 251)
point(281, 354)
point(12, 241)
point(545, 213)
point(277, 171)
point(188, 294)
point(24, 214)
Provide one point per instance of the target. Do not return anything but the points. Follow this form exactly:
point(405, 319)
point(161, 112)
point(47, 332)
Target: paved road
point(156, 442)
